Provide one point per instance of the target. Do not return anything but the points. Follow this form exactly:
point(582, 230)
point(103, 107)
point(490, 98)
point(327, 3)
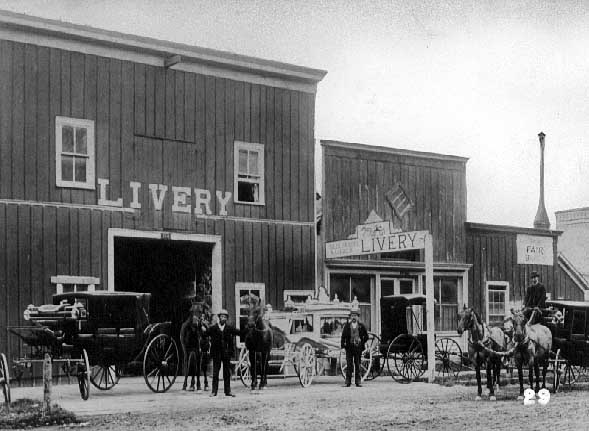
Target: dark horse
point(258, 341)
point(195, 345)
point(483, 342)
point(532, 345)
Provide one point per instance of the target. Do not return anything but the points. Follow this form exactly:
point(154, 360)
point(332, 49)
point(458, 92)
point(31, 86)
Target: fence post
point(47, 380)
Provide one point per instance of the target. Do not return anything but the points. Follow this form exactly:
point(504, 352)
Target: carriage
point(312, 343)
point(98, 336)
point(568, 322)
point(403, 342)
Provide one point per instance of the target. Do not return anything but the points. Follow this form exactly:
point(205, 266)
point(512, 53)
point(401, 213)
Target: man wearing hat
point(354, 336)
point(221, 335)
point(535, 295)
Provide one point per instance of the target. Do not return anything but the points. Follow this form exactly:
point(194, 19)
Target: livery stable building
point(128, 163)
point(376, 200)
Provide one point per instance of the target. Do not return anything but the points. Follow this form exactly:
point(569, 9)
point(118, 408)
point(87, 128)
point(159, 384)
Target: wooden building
point(128, 163)
point(483, 266)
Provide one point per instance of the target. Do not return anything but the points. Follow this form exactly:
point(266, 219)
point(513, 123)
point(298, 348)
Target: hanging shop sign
point(534, 250)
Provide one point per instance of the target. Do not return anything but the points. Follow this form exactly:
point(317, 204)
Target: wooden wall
point(154, 126)
point(355, 182)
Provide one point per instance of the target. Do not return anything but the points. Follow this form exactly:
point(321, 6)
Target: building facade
point(128, 163)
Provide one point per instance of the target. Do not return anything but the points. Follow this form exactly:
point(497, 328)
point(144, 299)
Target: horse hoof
point(492, 398)
point(183, 388)
point(206, 388)
point(198, 391)
point(191, 389)
point(478, 398)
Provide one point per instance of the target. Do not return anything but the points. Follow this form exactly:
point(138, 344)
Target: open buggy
point(312, 340)
point(403, 341)
point(97, 336)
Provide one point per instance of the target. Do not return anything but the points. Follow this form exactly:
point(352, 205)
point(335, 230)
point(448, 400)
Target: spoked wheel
point(405, 358)
point(376, 364)
point(4, 378)
point(84, 376)
point(160, 363)
point(570, 374)
point(244, 369)
point(104, 377)
point(305, 365)
point(558, 366)
point(448, 357)
point(366, 362)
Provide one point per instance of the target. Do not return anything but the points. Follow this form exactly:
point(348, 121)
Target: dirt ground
point(381, 404)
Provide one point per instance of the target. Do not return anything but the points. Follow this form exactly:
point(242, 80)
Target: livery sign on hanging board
point(534, 250)
point(372, 244)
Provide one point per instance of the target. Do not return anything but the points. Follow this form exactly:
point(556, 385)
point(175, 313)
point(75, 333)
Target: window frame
point(90, 183)
point(438, 279)
point(79, 283)
point(253, 147)
point(488, 289)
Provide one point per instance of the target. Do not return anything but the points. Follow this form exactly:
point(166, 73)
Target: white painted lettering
point(102, 182)
point(202, 197)
point(158, 193)
point(180, 195)
point(223, 202)
point(135, 186)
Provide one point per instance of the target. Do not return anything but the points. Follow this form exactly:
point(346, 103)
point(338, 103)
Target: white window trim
point(240, 285)
point(90, 183)
point(60, 280)
point(249, 146)
point(506, 302)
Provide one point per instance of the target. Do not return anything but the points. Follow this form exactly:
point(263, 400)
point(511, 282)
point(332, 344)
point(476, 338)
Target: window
point(446, 306)
point(347, 287)
point(73, 283)
point(249, 173)
point(497, 298)
point(74, 153)
point(243, 293)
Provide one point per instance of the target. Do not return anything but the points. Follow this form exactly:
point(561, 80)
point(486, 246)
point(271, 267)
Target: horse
point(195, 346)
point(259, 339)
point(532, 345)
point(483, 345)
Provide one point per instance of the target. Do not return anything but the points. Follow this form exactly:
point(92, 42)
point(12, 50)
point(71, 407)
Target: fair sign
point(534, 250)
point(386, 243)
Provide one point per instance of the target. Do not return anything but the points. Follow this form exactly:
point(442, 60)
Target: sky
point(477, 79)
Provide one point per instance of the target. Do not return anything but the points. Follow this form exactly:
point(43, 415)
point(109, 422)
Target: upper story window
point(74, 153)
point(249, 173)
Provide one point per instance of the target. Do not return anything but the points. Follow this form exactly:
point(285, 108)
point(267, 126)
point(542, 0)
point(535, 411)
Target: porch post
point(429, 307)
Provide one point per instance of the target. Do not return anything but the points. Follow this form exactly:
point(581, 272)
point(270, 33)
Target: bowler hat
point(534, 274)
point(223, 311)
point(355, 311)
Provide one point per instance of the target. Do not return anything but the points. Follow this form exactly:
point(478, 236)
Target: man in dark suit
point(354, 336)
point(535, 296)
point(221, 335)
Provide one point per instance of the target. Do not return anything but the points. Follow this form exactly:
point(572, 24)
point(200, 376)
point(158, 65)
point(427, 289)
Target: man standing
point(221, 335)
point(535, 295)
point(354, 336)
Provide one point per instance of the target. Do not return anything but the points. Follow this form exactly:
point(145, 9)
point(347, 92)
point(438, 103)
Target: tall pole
point(541, 221)
point(429, 306)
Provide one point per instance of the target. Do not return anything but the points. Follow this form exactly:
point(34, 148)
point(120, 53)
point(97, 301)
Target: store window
point(350, 286)
point(249, 173)
point(74, 153)
point(497, 299)
point(446, 306)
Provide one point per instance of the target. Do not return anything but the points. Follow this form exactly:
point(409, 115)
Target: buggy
point(99, 335)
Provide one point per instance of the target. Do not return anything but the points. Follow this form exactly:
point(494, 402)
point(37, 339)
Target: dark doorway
point(173, 272)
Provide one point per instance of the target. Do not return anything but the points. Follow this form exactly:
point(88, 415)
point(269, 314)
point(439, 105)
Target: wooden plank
point(18, 120)
point(278, 157)
point(24, 255)
point(128, 74)
point(200, 131)
point(90, 101)
point(140, 92)
point(150, 100)
point(272, 280)
point(77, 79)
point(263, 211)
point(170, 104)
point(66, 105)
point(189, 106)
point(30, 122)
point(103, 128)
point(240, 251)
point(160, 103)
point(179, 105)
point(229, 165)
point(229, 254)
point(311, 163)
point(114, 122)
point(257, 247)
point(298, 171)
point(239, 135)
point(279, 260)
point(220, 161)
point(63, 241)
point(247, 94)
point(306, 162)
point(169, 166)
point(286, 157)
point(265, 252)
point(85, 235)
point(298, 257)
point(13, 308)
point(210, 150)
point(269, 155)
point(248, 252)
point(49, 248)
point(6, 119)
point(106, 224)
point(4, 288)
point(96, 236)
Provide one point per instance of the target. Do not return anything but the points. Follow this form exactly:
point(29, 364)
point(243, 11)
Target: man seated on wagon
point(535, 297)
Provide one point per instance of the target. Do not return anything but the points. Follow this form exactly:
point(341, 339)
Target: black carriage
point(104, 334)
point(403, 341)
point(569, 323)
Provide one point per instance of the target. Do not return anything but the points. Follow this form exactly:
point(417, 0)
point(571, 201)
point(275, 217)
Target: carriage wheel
point(160, 363)
point(448, 357)
point(84, 376)
point(105, 377)
point(244, 368)
point(366, 362)
point(405, 358)
point(558, 365)
point(570, 374)
point(306, 364)
point(5, 378)
point(376, 363)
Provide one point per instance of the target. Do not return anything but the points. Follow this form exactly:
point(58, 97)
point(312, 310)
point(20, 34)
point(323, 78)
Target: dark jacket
point(222, 341)
point(535, 296)
point(346, 336)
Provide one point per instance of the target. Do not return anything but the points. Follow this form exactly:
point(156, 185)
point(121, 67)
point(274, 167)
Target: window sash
point(74, 153)
point(249, 169)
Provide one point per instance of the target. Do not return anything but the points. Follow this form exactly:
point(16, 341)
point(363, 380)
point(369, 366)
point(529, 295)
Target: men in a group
point(354, 336)
point(222, 342)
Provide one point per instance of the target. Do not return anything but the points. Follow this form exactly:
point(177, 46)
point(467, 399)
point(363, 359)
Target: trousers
point(219, 359)
point(353, 356)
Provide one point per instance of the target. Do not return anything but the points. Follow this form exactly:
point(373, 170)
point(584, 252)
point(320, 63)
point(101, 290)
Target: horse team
point(529, 342)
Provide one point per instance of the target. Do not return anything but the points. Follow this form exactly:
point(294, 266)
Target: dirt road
point(380, 405)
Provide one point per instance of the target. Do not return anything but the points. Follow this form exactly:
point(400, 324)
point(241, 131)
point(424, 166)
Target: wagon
point(403, 341)
point(313, 343)
point(568, 322)
point(99, 336)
